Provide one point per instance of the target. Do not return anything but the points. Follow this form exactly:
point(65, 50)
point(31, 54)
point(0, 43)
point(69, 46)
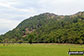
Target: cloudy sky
point(12, 12)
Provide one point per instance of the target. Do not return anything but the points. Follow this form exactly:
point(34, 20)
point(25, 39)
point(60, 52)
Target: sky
point(12, 12)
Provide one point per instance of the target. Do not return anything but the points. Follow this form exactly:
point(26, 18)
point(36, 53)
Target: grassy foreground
point(37, 49)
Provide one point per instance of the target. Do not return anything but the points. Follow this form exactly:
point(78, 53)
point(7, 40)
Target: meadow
point(37, 49)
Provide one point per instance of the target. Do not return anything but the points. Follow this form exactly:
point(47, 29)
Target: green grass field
point(37, 49)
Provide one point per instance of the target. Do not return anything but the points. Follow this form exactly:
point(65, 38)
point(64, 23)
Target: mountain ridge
point(48, 28)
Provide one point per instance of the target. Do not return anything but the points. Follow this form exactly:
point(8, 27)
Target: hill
point(48, 28)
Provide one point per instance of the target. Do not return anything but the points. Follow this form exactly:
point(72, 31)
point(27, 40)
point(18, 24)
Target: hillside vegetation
point(48, 28)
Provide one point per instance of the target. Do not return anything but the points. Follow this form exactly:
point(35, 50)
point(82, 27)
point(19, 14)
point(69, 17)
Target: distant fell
point(48, 28)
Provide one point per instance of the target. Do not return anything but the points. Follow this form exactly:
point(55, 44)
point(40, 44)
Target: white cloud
point(4, 4)
point(6, 25)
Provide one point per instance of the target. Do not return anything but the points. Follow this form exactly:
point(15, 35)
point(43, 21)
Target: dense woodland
point(48, 28)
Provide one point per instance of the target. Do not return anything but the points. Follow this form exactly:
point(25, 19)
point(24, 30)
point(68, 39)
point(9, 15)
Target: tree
point(80, 41)
point(20, 41)
point(30, 38)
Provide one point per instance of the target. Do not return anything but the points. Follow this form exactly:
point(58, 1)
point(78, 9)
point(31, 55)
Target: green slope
point(48, 28)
